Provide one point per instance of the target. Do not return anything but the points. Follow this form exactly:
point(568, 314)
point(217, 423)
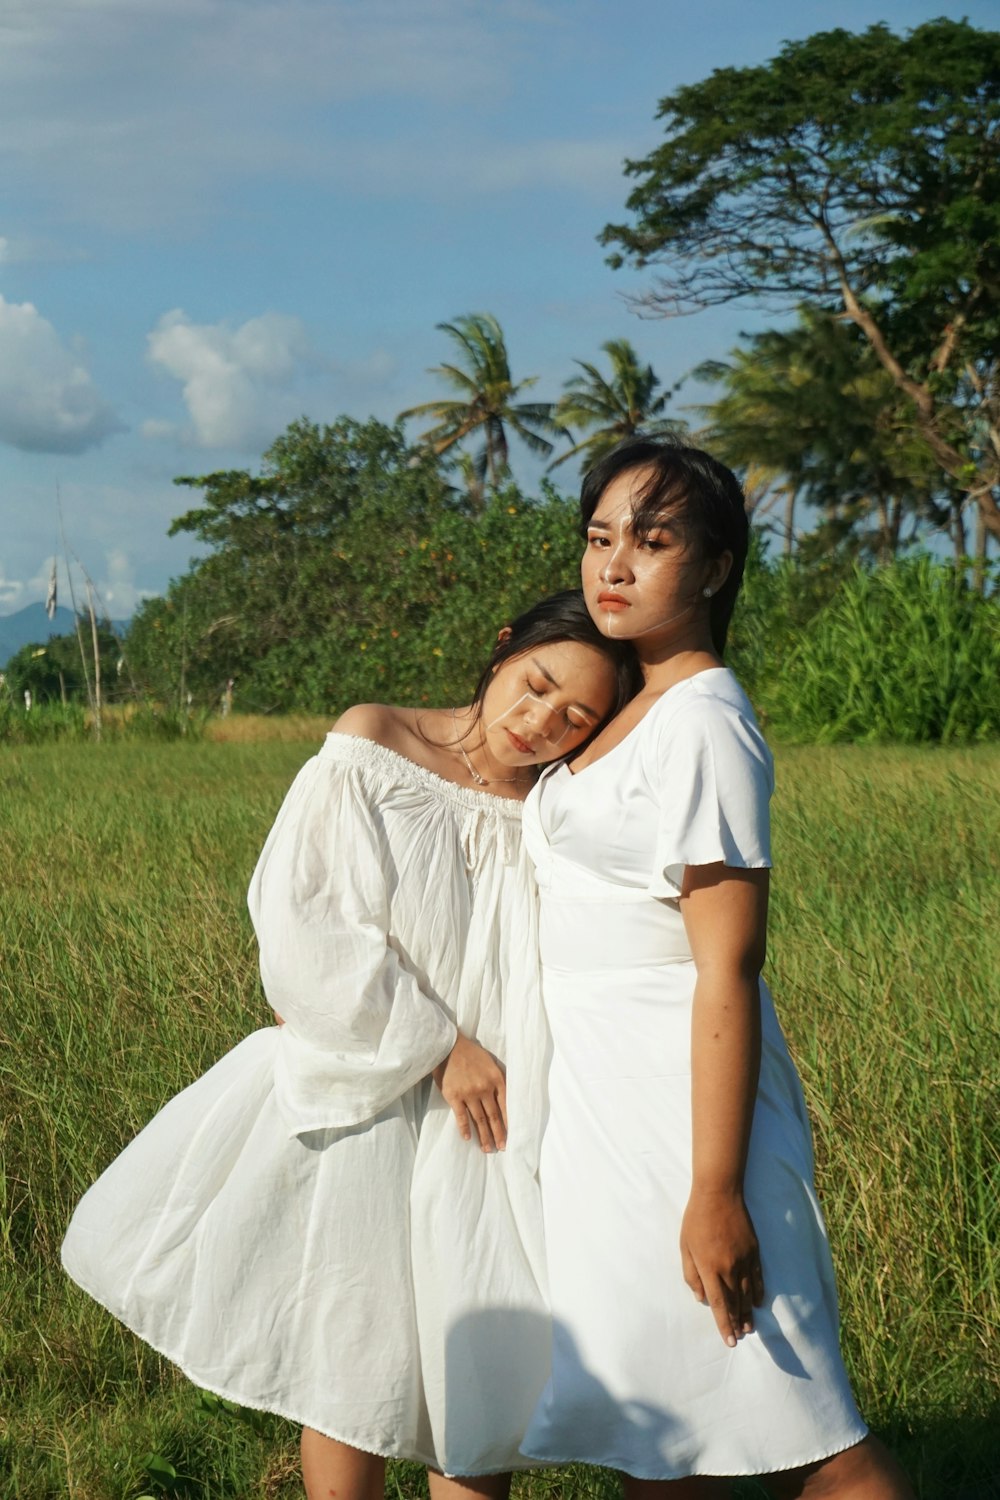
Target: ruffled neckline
point(369, 753)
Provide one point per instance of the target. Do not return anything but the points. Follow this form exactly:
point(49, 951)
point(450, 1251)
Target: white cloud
point(15, 593)
point(152, 113)
point(474, 167)
point(115, 591)
point(376, 370)
point(20, 249)
point(157, 429)
point(12, 593)
point(237, 382)
point(48, 400)
point(243, 384)
point(336, 50)
point(117, 530)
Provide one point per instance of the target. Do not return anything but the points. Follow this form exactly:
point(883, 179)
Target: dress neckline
point(356, 747)
point(695, 677)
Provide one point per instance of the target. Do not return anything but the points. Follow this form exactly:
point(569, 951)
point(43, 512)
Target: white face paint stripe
point(530, 698)
point(613, 619)
point(624, 517)
point(668, 621)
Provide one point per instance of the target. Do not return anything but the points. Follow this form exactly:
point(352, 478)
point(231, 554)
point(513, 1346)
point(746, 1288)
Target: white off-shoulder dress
point(641, 1379)
point(303, 1230)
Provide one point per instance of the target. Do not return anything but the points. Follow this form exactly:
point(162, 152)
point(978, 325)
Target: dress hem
point(255, 1404)
point(782, 1468)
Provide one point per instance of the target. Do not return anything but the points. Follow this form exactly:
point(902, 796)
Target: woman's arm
point(725, 914)
point(359, 1027)
point(475, 1088)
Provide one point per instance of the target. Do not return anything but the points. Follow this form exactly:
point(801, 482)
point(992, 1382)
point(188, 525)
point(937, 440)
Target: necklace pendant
point(478, 779)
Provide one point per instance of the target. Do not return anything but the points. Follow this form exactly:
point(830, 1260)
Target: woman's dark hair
point(563, 617)
point(698, 493)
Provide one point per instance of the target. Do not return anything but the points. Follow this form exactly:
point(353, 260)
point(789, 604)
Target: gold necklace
point(477, 778)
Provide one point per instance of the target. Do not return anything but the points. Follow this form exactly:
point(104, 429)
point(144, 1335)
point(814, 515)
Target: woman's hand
point(721, 1260)
point(473, 1083)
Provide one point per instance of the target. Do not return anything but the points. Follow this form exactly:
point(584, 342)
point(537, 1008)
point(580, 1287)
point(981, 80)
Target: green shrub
point(73, 721)
point(905, 654)
point(42, 723)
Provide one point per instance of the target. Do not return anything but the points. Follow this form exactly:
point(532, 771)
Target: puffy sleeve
point(359, 1030)
point(713, 776)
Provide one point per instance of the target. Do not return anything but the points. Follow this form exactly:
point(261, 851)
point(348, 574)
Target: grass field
point(129, 966)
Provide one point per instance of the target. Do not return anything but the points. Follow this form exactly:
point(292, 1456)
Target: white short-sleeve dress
point(641, 1379)
point(303, 1230)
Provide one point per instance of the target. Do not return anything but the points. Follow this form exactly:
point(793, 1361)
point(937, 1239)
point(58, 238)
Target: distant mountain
point(32, 624)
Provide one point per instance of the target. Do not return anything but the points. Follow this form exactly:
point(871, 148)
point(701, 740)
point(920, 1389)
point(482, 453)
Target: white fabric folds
point(303, 1230)
point(641, 1379)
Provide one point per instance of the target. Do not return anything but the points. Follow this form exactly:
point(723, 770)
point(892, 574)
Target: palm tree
point(619, 406)
point(487, 405)
point(817, 415)
point(751, 428)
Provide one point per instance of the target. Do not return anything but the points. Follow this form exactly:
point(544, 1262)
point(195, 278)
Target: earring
point(707, 592)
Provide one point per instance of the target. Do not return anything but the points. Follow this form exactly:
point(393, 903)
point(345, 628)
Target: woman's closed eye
point(572, 717)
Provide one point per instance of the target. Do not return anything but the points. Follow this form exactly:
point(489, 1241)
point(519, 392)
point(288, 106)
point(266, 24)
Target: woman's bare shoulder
point(384, 723)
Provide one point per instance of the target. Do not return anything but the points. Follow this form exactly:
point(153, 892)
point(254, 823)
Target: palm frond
point(488, 402)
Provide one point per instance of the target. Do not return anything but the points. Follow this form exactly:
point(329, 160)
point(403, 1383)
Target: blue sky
point(222, 214)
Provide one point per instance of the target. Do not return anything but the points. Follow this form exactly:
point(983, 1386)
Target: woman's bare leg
point(867, 1471)
point(697, 1487)
point(481, 1487)
point(336, 1471)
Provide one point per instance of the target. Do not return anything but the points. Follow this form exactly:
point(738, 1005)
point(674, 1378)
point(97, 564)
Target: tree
point(347, 570)
point(814, 409)
point(487, 404)
point(306, 557)
point(616, 406)
point(52, 669)
point(852, 171)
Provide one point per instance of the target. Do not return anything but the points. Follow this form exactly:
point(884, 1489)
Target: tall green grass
point(905, 654)
point(886, 966)
point(129, 966)
point(46, 722)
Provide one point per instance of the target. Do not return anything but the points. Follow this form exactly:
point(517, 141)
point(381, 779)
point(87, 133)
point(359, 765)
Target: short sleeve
point(359, 1030)
point(713, 776)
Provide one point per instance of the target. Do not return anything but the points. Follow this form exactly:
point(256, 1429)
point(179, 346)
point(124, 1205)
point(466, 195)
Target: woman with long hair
point(304, 1230)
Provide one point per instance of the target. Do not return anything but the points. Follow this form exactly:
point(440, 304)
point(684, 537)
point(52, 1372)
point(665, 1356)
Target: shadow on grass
point(950, 1455)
